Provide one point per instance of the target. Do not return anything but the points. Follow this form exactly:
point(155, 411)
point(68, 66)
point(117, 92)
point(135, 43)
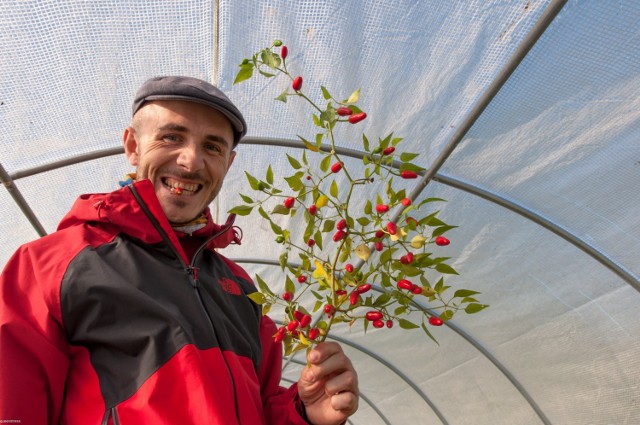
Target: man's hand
point(328, 386)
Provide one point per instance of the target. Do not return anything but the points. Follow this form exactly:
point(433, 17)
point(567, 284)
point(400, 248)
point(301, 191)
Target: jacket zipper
point(192, 272)
point(111, 414)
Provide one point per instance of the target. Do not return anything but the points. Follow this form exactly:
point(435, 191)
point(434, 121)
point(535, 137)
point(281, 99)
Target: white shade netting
point(542, 183)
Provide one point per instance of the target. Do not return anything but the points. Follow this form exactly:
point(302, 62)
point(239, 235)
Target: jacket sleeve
point(282, 406)
point(33, 351)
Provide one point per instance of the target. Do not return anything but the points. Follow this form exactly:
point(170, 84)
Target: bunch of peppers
point(372, 265)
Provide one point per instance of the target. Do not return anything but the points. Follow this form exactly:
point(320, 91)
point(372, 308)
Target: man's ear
point(131, 145)
point(232, 156)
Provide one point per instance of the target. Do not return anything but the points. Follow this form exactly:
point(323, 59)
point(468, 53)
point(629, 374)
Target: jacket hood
point(121, 209)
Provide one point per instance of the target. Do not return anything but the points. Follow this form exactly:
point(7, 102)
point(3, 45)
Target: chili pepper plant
point(365, 263)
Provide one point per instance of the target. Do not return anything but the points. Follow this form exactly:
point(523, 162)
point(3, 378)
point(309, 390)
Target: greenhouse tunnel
point(526, 118)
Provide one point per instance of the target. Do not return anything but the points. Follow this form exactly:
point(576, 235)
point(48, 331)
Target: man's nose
point(190, 157)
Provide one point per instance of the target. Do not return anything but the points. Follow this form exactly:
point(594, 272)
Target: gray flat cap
point(192, 90)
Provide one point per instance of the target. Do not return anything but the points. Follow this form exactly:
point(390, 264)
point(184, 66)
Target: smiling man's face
point(185, 149)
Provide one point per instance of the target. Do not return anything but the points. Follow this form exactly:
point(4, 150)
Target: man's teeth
point(180, 188)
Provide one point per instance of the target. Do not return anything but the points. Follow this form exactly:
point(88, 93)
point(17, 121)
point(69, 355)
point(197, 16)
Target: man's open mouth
point(180, 188)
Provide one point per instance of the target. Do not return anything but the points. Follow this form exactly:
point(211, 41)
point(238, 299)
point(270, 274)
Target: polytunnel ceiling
point(527, 118)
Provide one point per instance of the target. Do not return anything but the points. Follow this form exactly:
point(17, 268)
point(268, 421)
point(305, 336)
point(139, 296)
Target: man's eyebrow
point(174, 127)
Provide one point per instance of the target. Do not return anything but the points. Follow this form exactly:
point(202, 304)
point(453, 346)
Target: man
point(127, 315)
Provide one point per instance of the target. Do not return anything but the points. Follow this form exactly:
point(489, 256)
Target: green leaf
point(407, 156)
point(295, 182)
point(257, 297)
point(424, 328)
point(269, 175)
point(365, 143)
point(324, 164)
point(474, 308)
point(280, 209)
point(262, 285)
point(442, 229)
point(283, 259)
point(289, 285)
point(318, 238)
point(246, 199)
point(447, 315)
point(282, 97)
point(411, 167)
point(368, 207)
point(446, 269)
point(405, 324)
point(400, 310)
point(270, 59)
point(263, 213)
point(333, 191)
point(363, 221)
point(325, 93)
point(246, 72)
point(253, 182)
point(461, 293)
point(328, 226)
point(354, 97)
point(241, 210)
point(266, 74)
point(308, 144)
point(294, 162)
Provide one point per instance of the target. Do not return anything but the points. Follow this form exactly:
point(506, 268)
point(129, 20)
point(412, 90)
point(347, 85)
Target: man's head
point(182, 138)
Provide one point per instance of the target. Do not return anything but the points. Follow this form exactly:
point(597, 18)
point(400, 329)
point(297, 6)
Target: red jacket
point(110, 321)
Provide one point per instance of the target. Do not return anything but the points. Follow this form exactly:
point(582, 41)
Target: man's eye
point(171, 138)
point(213, 147)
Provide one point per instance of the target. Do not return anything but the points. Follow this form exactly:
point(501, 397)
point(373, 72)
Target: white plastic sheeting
point(543, 184)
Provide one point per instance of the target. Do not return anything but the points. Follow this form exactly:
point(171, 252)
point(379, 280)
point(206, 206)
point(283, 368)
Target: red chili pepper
point(382, 208)
point(373, 315)
point(292, 325)
point(329, 309)
point(288, 203)
point(405, 284)
point(339, 235)
point(284, 52)
point(407, 174)
point(314, 333)
point(287, 296)
point(297, 83)
point(391, 228)
point(435, 321)
point(406, 202)
point(378, 324)
point(302, 278)
point(298, 315)
point(349, 268)
point(336, 167)
point(278, 337)
point(407, 259)
point(342, 224)
point(313, 210)
point(356, 118)
point(389, 150)
point(305, 321)
point(343, 111)
point(379, 246)
point(442, 241)
point(379, 233)
point(341, 292)
point(417, 290)
point(311, 242)
point(365, 287)
point(389, 323)
point(353, 298)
